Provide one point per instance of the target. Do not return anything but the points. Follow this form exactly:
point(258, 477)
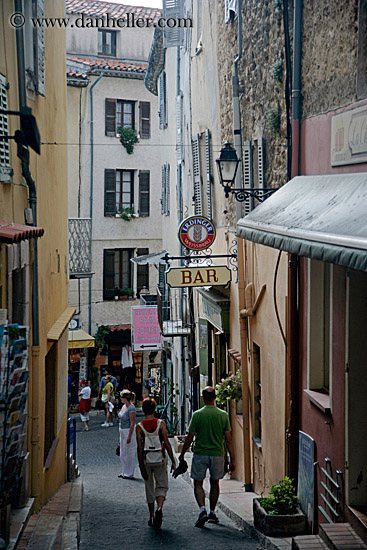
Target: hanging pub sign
point(213, 275)
point(196, 233)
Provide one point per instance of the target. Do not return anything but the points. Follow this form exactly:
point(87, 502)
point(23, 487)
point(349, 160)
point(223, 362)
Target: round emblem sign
point(196, 233)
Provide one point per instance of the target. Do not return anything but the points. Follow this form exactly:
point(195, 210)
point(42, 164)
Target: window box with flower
point(128, 138)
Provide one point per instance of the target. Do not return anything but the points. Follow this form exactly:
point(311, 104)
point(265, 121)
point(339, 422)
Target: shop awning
point(14, 232)
point(80, 339)
point(154, 258)
point(320, 217)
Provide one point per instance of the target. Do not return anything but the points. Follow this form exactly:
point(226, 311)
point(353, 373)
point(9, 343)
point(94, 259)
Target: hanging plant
point(277, 4)
point(276, 70)
point(128, 138)
point(273, 121)
point(100, 336)
point(229, 388)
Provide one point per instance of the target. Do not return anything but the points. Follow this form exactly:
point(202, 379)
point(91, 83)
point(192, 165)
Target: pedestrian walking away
point(152, 439)
point(210, 428)
point(127, 417)
point(85, 403)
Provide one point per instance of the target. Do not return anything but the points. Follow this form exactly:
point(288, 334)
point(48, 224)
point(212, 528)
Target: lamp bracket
point(242, 194)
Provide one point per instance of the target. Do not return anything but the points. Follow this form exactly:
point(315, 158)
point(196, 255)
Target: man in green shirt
point(210, 426)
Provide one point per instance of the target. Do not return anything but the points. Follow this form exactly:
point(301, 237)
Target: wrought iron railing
point(173, 312)
point(80, 248)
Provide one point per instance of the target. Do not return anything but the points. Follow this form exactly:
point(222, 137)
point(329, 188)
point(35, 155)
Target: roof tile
point(97, 8)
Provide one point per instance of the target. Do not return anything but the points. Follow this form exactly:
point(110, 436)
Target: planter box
point(294, 524)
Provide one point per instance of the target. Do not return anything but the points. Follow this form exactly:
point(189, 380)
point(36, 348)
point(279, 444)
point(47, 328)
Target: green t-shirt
point(209, 424)
point(108, 386)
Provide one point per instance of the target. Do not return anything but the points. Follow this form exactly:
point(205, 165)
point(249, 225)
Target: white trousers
point(127, 452)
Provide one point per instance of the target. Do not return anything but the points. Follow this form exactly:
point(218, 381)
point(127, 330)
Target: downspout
point(241, 262)
point(34, 379)
point(91, 194)
point(180, 215)
point(293, 314)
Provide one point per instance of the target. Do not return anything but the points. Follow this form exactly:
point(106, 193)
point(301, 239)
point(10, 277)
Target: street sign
point(196, 233)
point(146, 330)
point(213, 275)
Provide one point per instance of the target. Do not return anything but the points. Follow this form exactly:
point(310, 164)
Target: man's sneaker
point(105, 425)
point(202, 519)
point(212, 518)
point(110, 423)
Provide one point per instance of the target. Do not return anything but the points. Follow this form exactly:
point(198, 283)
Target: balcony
point(173, 312)
point(80, 248)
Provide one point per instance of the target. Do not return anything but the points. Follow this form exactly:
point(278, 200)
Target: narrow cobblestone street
point(115, 513)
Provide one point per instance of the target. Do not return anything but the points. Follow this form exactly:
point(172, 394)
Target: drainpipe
point(293, 314)
point(180, 215)
point(23, 154)
point(236, 89)
point(91, 194)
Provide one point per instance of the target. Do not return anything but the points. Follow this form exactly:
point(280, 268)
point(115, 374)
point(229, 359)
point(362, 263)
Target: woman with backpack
point(152, 439)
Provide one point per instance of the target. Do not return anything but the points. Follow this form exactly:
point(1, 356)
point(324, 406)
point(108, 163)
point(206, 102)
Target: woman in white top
point(85, 404)
point(127, 417)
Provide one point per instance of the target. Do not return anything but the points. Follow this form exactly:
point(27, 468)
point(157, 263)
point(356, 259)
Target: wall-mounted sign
point(146, 330)
point(74, 324)
point(196, 233)
point(306, 475)
point(214, 275)
point(349, 137)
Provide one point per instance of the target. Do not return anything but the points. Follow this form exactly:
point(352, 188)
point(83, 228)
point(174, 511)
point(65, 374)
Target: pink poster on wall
point(146, 330)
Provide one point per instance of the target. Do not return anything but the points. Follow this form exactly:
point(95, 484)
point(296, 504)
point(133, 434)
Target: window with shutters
point(117, 271)
point(209, 174)
point(165, 200)
point(196, 161)
point(144, 108)
point(120, 113)
point(173, 36)
point(179, 127)
point(5, 170)
point(119, 191)
point(142, 278)
point(107, 43)
point(163, 119)
point(34, 48)
point(144, 193)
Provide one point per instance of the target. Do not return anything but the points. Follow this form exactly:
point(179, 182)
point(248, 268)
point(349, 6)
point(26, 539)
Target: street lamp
point(227, 164)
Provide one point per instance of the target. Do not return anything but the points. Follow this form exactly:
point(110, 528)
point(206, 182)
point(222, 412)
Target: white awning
point(321, 217)
point(153, 258)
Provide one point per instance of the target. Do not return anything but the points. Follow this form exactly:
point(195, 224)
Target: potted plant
point(126, 214)
point(229, 388)
point(126, 293)
point(128, 138)
point(279, 513)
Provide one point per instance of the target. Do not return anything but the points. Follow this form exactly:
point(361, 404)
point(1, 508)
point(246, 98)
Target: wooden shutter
point(247, 174)
point(40, 50)
point(260, 163)
point(179, 127)
point(144, 193)
point(142, 271)
point(173, 37)
point(110, 117)
point(108, 274)
point(144, 108)
point(5, 170)
point(163, 197)
point(198, 207)
point(109, 192)
point(168, 195)
point(162, 102)
point(208, 170)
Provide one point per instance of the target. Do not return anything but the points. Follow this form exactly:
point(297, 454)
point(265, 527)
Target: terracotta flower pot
point(281, 525)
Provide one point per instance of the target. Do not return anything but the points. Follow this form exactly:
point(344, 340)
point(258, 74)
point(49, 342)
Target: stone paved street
point(115, 513)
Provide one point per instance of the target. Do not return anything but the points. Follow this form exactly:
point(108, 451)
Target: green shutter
point(110, 117)
point(109, 192)
point(144, 193)
point(108, 274)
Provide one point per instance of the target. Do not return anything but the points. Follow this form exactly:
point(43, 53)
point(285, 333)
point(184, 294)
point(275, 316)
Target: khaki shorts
point(157, 483)
point(201, 463)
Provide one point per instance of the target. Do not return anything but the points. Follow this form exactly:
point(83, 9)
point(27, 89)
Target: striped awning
point(80, 339)
point(14, 232)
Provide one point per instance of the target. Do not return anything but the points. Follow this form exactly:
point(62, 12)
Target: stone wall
point(329, 55)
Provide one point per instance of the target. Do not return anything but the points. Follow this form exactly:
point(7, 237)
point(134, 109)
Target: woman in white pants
point(127, 417)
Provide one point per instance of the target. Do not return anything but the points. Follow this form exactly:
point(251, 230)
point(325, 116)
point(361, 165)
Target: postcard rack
point(13, 408)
